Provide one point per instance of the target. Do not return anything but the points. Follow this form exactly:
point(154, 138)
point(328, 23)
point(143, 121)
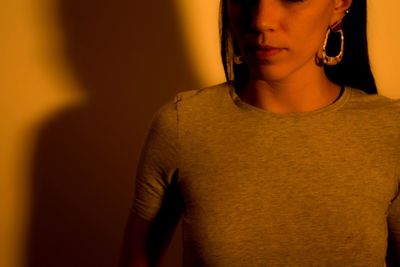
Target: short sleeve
point(394, 218)
point(157, 162)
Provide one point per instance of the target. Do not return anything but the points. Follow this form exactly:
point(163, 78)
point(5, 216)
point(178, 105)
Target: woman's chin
point(269, 74)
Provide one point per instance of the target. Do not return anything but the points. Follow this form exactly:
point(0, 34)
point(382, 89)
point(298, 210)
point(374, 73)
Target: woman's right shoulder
point(191, 102)
point(208, 93)
point(196, 99)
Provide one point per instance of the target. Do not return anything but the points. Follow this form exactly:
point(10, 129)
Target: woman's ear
point(340, 8)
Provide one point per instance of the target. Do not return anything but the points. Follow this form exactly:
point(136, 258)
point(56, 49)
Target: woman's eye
point(294, 1)
point(244, 2)
point(252, 2)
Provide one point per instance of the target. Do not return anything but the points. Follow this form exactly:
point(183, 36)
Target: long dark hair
point(354, 70)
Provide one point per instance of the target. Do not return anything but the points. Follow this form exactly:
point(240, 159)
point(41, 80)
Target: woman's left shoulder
point(375, 101)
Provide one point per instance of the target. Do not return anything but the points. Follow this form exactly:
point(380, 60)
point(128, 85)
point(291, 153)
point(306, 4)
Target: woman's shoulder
point(206, 94)
point(362, 100)
point(202, 101)
point(193, 101)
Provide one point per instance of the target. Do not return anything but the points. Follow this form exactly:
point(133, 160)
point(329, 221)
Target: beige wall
point(384, 43)
point(79, 83)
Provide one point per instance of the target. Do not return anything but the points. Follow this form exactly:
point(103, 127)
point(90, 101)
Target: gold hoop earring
point(331, 61)
point(237, 59)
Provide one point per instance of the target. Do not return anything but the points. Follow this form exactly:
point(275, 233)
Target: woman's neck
point(291, 95)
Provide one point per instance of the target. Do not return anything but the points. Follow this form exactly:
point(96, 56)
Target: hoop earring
point(331, 61)
point(237, 59)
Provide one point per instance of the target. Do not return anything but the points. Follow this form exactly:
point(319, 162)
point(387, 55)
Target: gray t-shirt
point(257, 188)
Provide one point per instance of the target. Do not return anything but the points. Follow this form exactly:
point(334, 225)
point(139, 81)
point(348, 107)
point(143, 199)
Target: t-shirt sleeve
point(157, 162)
point(394, 208)
point(394, 218)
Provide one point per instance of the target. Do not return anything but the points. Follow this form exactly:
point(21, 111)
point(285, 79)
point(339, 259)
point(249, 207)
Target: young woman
point(293, 162)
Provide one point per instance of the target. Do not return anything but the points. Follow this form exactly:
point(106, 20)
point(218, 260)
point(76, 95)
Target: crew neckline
point(344, 97)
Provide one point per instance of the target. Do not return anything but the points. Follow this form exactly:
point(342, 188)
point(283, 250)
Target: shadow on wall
point(129, 57)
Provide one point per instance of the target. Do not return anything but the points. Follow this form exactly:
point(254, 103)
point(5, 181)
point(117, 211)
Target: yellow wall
point(35, 83)
point(384, 43)
point(79, 83)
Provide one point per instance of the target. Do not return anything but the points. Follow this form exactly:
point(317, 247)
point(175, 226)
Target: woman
point(293, 162)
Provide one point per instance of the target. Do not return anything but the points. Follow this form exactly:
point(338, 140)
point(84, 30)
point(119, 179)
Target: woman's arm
point(145, 242)
point(157, 206)
point(397, 251)
point(393, 253)
point(134, 253)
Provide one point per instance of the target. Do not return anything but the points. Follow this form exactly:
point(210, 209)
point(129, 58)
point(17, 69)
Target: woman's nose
point(264, 16)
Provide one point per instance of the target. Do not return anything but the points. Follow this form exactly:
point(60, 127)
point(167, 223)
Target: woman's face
point(296, 27)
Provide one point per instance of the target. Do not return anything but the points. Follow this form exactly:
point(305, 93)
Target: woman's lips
point(266, 52)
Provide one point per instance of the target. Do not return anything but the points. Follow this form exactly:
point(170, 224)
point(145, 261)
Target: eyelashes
point(252, 2)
